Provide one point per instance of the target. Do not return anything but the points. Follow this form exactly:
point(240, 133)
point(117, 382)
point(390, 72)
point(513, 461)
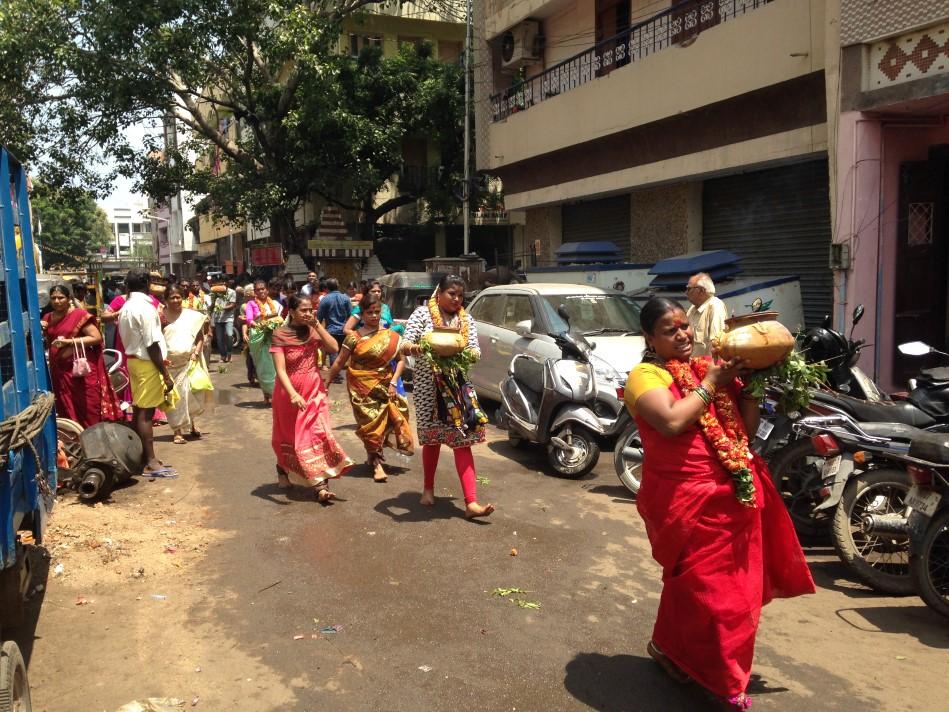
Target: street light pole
point(171, 256)
point(467, 193)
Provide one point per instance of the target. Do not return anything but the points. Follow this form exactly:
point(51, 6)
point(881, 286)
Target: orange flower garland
point(436, 315)
point(721, 429)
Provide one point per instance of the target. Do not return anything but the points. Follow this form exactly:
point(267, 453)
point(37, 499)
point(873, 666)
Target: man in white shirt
point(145, 347)
point(706, 315)
point(310, 287)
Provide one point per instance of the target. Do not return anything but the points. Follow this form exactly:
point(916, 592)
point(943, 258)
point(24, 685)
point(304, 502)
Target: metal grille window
point(920, 228)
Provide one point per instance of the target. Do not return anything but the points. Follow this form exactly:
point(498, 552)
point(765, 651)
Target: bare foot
point(325, 496)
point(476, 510)
point(428, 498)
point(283, 482)
point(379, 474)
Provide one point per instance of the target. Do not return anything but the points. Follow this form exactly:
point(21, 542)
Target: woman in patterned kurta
point(307, 452)
point(432, 414)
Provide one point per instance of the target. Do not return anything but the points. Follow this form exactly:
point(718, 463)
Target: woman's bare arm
point(350, 325)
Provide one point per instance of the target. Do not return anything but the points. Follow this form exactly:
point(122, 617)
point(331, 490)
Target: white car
point(518, 318)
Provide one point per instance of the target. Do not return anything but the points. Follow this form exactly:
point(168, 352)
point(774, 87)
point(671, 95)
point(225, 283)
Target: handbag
point(80, 364)
point(198, 377)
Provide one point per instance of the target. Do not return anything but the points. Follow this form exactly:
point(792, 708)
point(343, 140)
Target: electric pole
point(468, 49)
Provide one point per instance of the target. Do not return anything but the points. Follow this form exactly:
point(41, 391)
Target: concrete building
point(892, 177)
point(173, 223)
point(663, 127)
point(132, 229)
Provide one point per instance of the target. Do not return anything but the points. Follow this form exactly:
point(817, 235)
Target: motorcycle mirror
point(915, 348)
point(858, 314)
point(828, 321)
point(563, 313)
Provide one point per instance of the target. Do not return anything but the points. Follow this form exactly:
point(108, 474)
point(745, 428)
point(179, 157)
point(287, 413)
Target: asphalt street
point(247, 622)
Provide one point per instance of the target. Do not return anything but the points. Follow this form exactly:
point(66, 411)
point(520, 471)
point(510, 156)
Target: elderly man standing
point(706, 315)
point(145, 347)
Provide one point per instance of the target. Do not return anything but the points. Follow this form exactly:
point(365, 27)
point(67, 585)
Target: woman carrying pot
point(446, 408)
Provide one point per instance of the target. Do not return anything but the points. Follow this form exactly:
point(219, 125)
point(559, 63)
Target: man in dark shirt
point(333, 312)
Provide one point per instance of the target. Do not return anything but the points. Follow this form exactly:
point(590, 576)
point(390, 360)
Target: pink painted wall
point(870, 152)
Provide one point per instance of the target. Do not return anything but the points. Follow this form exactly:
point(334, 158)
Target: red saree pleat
point(721, 561)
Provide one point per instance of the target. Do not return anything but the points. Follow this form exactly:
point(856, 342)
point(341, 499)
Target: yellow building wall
point(772, 44)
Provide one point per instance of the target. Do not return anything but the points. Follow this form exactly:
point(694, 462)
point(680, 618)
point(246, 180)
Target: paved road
point(412, 590)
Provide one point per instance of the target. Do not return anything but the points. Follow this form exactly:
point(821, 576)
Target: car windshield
point(592, 314)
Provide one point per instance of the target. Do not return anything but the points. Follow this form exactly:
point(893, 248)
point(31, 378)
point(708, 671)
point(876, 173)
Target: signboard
point(270, 255)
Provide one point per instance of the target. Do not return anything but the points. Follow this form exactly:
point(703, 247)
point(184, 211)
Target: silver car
point(517, 318)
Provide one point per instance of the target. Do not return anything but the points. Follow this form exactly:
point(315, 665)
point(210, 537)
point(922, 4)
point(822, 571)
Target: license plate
point(923, 501)
point(831, 466)
point(764, 430)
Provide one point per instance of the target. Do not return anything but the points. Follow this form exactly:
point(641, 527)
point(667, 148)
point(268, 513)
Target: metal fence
point(680, 24)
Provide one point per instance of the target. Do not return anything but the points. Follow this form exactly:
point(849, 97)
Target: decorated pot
point(757, 338)
point(445, 341)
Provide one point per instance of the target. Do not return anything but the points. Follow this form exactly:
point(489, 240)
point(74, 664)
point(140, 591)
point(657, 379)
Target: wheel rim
point(938, 563)
point(797, 493)
point(632, 461)
point(575, 458)
point(887, 553)
point(21, 690)
point(69, 437)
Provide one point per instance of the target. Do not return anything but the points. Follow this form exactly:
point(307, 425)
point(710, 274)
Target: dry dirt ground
point(219, 590)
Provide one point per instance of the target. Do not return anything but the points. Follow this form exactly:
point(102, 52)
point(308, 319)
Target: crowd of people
point(299, 339)
point(715, 522)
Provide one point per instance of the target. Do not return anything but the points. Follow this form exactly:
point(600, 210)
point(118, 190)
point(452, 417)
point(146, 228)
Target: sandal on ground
point(672, 670)
point(283, 482)
point(196, 434)
point(738, 703)
point(323, 494)
point(179, 439)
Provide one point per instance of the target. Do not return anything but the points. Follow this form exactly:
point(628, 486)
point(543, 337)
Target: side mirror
point(915, 348)
point(563, 313)
point(524, 329)
point(858, 314)
point(828, 321)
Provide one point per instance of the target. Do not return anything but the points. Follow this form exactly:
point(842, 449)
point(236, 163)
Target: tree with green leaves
point(73, 226)
point(270, 109)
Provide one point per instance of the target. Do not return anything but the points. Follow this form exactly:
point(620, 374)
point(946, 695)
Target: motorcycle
point(928, 522)
point(570, 404)
point(863, 484)
point(840, 354)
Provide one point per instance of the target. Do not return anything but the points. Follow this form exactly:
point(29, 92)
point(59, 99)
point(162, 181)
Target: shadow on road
point(827, 573)
point(25, 633)
point(619, 493)
point(924, 624)
point(626, 683)
point(406, 508)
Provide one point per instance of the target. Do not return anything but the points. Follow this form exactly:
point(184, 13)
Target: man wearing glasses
point(706, 315)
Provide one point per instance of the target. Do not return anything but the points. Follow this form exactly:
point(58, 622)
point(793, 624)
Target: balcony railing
point(680, 24)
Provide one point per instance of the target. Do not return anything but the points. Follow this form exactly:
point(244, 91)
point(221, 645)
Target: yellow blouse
point(643, 378)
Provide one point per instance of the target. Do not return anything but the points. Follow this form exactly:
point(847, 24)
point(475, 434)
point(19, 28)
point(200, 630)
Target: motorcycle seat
point(904, 412)
point(529, 374)
point(932, 398)
point(893, 431)
point(932, 447)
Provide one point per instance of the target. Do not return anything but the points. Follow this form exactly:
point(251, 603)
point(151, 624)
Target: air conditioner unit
point(521, 45)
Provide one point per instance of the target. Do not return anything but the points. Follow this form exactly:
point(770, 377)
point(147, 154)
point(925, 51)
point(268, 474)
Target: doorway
point(921, 260)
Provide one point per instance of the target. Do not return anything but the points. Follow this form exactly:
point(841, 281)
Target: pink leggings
point(464, 464)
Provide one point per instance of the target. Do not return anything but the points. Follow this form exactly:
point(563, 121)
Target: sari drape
point(721, 561)
point(382, 421)
point(303, 440)
point(259, 339)
point(87, 400)
point(180, 336)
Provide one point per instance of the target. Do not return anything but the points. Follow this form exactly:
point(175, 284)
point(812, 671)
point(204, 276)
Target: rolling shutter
point(606, 219)
point(778, 220)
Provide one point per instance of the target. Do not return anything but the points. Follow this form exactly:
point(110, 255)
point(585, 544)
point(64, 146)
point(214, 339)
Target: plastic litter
point(153, 704)
point(82, 601)
point(58, 570)
point(298, 637)
point(332, 629)
point(513, 552)
point(425, 668)
point(159, 596)
point(195, 701)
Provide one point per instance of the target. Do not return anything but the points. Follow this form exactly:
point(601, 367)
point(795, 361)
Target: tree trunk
point(283, 230)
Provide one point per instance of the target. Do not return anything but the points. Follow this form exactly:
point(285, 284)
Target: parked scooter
point(563, 404)
point(840, 354)
point(863, 484)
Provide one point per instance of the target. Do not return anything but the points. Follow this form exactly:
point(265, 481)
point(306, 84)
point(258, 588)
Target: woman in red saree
point(88, 399)
point(307, 453)
point(714, 519)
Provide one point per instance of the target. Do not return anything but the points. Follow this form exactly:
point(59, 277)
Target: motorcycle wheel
point(796, 473)
point(583, 458)
point(14, 685)
point(881, 561)
point(68, 433)
point(930, 568)
point(628, 458)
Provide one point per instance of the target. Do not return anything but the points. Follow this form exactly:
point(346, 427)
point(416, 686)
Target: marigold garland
point(436, 315)
point(720, 428)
